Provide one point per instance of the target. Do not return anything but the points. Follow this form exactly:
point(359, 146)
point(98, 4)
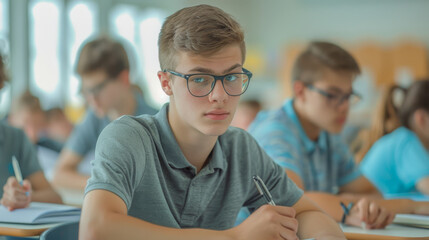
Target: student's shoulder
point(273, 119)
point(142, 125)
point(402, 136)
point(9, 132)
point(236, 136)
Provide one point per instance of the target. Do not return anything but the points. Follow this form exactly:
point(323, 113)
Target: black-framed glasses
point(201, 84)
point(95, 91)
point(336, 99)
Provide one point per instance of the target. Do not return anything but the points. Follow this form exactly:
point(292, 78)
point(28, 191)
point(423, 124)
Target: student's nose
point(218, 94)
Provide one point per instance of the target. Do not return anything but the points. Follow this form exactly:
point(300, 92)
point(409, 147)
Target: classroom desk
point(391, 232)
point(24, 230)
point(70, 197)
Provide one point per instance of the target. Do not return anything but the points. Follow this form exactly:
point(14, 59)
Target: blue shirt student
point(396, 162)
point(323, 165)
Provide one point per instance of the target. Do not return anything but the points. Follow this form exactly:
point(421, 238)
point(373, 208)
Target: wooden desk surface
point(24, 230)
point(70, 197)
point(391, 232)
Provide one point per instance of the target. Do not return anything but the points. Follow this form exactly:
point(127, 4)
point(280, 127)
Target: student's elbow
point(91, 229)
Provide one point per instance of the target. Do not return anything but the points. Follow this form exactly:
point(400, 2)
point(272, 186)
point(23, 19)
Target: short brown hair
point(201, 29)
point(26, 102)
point(102, 54)
point(3, 76)
point(321, 55)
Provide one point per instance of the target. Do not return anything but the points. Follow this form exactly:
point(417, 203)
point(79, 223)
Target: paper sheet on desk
point(413, 220)
point(40, 213)
point(393, 230)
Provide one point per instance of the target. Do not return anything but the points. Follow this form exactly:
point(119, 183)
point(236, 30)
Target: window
point(140, 29)
point(81, 16)
point(45, 62)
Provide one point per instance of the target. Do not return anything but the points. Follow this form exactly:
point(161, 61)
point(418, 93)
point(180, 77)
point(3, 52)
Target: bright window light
point(82, 17)
point(141, 29)
point(45, 46)
point(149, 28)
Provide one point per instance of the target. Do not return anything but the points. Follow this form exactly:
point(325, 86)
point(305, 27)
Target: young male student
point(104, 69)
point(183, 174)
point(35, 187)
point(301, 137)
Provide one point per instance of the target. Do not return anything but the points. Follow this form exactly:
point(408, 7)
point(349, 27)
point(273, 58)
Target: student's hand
point(268, 222)
point(370, 213)
point(16, 195)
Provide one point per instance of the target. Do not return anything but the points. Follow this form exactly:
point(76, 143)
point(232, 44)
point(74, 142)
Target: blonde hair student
point(184, 173)
point(399, 161)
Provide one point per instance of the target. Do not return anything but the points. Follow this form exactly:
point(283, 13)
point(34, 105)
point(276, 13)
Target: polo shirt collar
point(174, 154)
point(309, 144)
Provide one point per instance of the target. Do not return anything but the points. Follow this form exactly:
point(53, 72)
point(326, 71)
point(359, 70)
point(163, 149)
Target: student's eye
point(231, 78)
point(199, 79)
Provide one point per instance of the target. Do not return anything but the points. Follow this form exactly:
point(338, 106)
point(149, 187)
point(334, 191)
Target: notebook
point(38, 213)
point(413, 220)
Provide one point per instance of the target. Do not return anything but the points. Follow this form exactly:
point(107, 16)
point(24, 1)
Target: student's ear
point(421, 118)
point(298, 90)
point(165, 81)
point(124, 77)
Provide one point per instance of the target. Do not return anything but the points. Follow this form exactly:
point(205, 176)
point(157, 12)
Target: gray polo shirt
point(138, 159)
point(13, 142)
point(85, 134)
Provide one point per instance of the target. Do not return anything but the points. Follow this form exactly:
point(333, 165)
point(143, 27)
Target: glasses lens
point(200, 85)
point(236, 84)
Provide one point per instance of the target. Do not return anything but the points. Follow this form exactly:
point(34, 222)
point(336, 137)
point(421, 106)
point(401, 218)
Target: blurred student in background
point(385, 120)
point(58, 126)
point(35, 187)
point(104, 69)
point(302, 137)
point(399, 161)
point(246, 113)
point(27, 114)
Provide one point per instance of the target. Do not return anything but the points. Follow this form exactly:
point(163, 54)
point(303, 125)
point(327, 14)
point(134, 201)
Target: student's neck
point(127, 106)
point(311, 130)
point(195, 146)
point(423, 140)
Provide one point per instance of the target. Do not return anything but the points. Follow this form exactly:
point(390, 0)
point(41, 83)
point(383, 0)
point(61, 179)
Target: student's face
point(212, 114)
point(31, 122)
point(101, 92)
point(324, 112)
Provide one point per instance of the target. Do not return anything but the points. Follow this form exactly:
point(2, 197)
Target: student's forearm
point(48, 195)
point(329, 203)
point(315, 224)
point(68, 178)
point(118, 226)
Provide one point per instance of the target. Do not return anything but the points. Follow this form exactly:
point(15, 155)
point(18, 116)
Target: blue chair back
point(66, 231)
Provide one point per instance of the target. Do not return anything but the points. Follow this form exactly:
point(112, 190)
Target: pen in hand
point(17, 171)
point(263, 190)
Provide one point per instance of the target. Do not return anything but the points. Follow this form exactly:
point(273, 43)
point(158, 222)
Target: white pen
point(17, 170)
point(263, 190)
